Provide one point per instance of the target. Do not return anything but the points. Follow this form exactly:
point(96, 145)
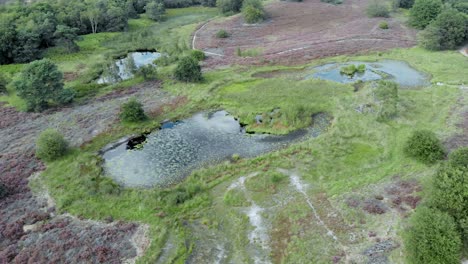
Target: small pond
point(170, 154)
point(397, 71)
point(123, 68)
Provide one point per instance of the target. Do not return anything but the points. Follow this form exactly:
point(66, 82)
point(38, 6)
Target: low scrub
point(222, 34)
point(459, 158)
point(424, 146)
point(50, 145)
point(132, 111)
point(377, 9)
point(383, 25)
point(253, 11)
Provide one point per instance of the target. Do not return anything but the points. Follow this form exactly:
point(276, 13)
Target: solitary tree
point(40, 83)
point(424, 12)
point(188, 70)
point(155, 10)
point(253, 12)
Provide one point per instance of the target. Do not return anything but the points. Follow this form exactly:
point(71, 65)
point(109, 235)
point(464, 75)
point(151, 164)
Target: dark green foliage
point(449, 30)
point(198, 55)
point(253, 11)
point(132, 111)
point(3, 84)
point(65, 36)
point(405, 3)
point(459, 158)
point(222, 34)
point(377, 9)
point(333, 2)
point(277, 177)
point(432, 238)
point(155, 10)
point(383, 25)
point(450, 191)
point(40, 84)
point(424, 146)
point(148, 72)
point(229, 6)
point(188, 70)
point(3, 191)
point(210, 3)
point(50, 145)
point(424, 12)
point(387, 93)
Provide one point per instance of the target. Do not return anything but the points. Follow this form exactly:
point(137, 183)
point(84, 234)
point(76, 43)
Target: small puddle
point(397, 71)
point(170, 154)
point(123, 68)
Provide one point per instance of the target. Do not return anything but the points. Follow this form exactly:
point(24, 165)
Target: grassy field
point(356, 153)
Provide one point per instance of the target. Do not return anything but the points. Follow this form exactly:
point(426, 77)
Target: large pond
point(397, 71)
point(170, 154)
point(123, 68)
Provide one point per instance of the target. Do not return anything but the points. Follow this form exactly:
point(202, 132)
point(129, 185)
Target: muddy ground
point(30, 229)
point(296, 32)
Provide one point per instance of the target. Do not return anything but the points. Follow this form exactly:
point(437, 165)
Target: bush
point(253, 11)
point(459, 158)
point(405, 3)
point(41, 83)
point(387, 94)
point(198, 55)
point(383, 25)
point(450, 193)
point(424, 12)
point(432, 238)
point(446, 32)
point(188, 70)
point(148, 72)
point(50, 145)
point(424, 146)
point(377, 9)
point(222, 34)
point(132, 111)
point(229, 6)
point(155, 10)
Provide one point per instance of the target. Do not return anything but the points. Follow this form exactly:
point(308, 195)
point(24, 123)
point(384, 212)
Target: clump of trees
point(424, 12)
point(253, 11)
point(155, 10)
point(51, 145)
point(424, 146)
point(132, 111)
point(377, 9)
point(188, 70)
point(40, 84)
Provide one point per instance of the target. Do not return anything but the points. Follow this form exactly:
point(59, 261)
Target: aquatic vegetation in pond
point(350, 70)
point(397, 71)
point(171, 153)
point(125, 68)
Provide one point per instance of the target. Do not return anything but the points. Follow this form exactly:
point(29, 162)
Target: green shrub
point(132, 111)
point(424, 12)
point(450, 193)
point(459, 158)
point(383, 25)
point(253, 11)
point(432, 238)
point(387, 93)
point(198, 55)
point(188, 70)
point(229, 6)
point(277, 177)
point(148, 72)
point(405, 3)
point(447, 31)
point(50, 145)
point(222, 34)
point(377, 9)
point(423, 145)
point(155, 10)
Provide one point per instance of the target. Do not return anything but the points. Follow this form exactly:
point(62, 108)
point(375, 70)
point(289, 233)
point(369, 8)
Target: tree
point(40, 83)
point(188, 70)
point(450, 193)
point(229, 6)
point(155, 10)
point(405, 3)
point(446, 32)
point(423, 145)
point(377, 9)
point(424, 12)
point(432, 238)
point(65, 36)
point(132, 111)
point(459, 158)
point(253, 12)
point(50, 145)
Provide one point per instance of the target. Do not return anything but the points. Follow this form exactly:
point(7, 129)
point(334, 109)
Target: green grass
point(356, 151)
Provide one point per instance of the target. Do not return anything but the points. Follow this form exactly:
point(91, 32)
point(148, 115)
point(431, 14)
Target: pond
point(170, 154)
point(397, 71)
point(124, 67)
